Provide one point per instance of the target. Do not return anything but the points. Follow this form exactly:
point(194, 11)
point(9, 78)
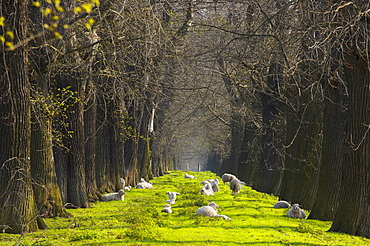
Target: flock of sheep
point(209, 187)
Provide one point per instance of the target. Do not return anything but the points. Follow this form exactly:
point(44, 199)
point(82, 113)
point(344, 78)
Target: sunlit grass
point(139, 221)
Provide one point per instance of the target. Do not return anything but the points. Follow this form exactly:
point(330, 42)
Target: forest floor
point(139, 221)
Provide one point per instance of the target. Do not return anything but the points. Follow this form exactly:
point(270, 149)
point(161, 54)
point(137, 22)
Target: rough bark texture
point(353, 216)
point(90, 143)
point(47, 193)
point(334, 129)
point(17, 205)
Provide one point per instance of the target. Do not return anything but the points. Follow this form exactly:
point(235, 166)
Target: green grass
point(139, 220)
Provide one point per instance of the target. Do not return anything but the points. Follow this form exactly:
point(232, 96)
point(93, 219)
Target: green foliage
point(52, 12)
point(139, 220)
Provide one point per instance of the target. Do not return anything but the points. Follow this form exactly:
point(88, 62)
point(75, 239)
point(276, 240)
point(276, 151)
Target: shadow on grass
point(206, 242)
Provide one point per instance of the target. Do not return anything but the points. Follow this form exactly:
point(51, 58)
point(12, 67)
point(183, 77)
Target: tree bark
point(90, 118)
point(333, 149)
point(17, 205)
point(353, 216)
point(47, 193)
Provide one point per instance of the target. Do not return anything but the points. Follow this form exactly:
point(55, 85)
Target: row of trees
point(297, 78)
point(82, 84)
point(273, 91)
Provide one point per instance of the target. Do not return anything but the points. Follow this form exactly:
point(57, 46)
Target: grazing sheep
point(128, 188)
point(296, 212)
point(214, 183)
point(118, 196)
point(188, 176)
point(172, 197)
point(210, 211)
point(282, 204)
point(207, 188)
point(144, 185)
point(227, 177)
point(236, 185)
point(167, 209)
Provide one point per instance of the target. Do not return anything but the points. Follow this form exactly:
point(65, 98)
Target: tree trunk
point(17, 205)
point(90, 143)
point(47, 193)
point(250, 154)
point(270, 168)
point(77, 193)
point(117, 151)
point(333, 148)
point(353, 216)
point(290, 168)
point(103, 161)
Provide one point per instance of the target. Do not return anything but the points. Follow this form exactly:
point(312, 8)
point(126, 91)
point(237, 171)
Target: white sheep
point(207, 188)
point(118, 196)
point(214, 183)
point(296, 212)
point(188, 176)
point(144, 185)
point(282, 204)
point(171, 197)
point(167, 209)
point(227, 177)
point(210, 211)
point(127, 188)
point(236, 185)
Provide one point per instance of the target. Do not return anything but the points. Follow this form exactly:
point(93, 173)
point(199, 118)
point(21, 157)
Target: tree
point(356, 174)
point(17, 204)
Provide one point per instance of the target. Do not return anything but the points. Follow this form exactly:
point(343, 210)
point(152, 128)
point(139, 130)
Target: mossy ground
point(139, 220)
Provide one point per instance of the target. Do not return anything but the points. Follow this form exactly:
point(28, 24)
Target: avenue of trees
point(276, 92)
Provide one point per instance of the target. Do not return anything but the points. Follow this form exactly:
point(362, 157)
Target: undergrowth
point(139, 221)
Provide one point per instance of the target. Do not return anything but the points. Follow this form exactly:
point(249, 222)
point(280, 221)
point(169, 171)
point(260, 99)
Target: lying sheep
point(210, 211)
point(227, 177)
point(207, 188)
point(167, 209)
point(296, 212)
point(236, 185)
point(188, 176)
point(214, 183)
point(171, 197)
point(282, 204)
point(120, 195)
point(144, 185)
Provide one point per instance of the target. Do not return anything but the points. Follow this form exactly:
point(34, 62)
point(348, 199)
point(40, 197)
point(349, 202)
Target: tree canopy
point(273, 91)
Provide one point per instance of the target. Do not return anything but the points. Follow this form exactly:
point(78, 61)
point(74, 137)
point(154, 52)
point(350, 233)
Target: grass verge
point(139, 221)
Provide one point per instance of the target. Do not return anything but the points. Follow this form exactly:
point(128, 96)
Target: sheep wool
point(296, 212)
point(167, 209)
point(118, 196)
point(236, 186)
point(209, 211)
point(227, 177)
point(144, 185)
point(172, 197)
point(214, 184)
point(282, 204)
point(207, 188)
point(188, 176)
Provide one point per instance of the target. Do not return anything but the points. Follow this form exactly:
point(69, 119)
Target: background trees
point(261, 89)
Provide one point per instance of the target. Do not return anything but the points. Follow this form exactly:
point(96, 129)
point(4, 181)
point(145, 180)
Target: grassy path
point(139, 220)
